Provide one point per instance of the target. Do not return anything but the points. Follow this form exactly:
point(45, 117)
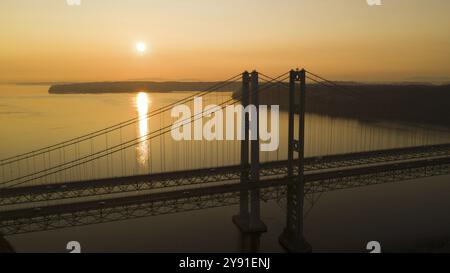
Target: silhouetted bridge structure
point(44, 196)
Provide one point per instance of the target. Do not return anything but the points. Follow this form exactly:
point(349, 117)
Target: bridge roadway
point(81, 189)
point(92, 212)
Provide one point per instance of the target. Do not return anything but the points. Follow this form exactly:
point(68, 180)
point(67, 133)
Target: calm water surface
point(411, 215)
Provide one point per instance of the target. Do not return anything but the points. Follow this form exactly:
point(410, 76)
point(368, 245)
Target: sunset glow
point(398, 41)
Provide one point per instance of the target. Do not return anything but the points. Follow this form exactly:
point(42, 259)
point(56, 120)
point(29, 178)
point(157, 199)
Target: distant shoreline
point(415, 103)
point(171, 86)
point(419, 104)
point(137, 86)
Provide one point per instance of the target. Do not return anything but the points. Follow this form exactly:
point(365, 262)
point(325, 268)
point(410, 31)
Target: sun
point(141, 47)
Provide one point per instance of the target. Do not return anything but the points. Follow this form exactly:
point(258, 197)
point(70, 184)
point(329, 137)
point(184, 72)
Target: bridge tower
point(292, 238)
point(249, 218)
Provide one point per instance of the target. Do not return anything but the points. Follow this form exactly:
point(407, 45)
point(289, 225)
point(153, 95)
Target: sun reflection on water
point(142, 105)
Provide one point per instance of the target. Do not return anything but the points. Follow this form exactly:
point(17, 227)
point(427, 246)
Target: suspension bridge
point(121, 172)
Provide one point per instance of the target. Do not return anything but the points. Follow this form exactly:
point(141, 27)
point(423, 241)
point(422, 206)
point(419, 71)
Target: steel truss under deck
point(94, 212)
point(50, 192)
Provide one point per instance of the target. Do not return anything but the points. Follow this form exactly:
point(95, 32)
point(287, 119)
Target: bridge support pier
point(249, 218)
point(292, 238)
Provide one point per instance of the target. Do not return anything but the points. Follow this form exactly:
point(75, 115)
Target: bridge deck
point(77, 189)
point(28, 220)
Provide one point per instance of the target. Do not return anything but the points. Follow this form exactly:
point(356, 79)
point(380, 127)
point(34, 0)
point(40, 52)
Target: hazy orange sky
point(48, 40)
